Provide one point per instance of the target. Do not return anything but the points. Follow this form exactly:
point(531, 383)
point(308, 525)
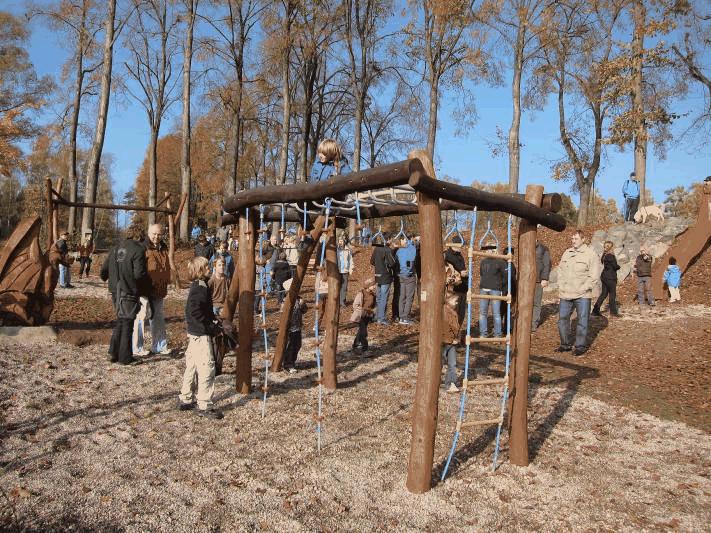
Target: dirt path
point(102, 447)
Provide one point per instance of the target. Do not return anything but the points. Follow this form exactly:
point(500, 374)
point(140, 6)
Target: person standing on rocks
point(630, 190)
point(543, 272)
point(125, 270)
point(643, 269)
point(577, 273)
point(608, 279)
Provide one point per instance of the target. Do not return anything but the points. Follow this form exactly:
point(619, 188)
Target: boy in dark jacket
point(363, 308)
point(282, 272)
point(643, 269)
point(199, 357)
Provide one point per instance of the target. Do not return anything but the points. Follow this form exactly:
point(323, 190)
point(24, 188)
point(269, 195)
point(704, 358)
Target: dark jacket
point(543, 262)
point(493, 274)
point(642, 266)
point(281, 271)
point(62, 246)
point(455, 258)
point(609, 267)
point(296, 320)
point(198, 309)
point(384, 261)
point(126, 265)
point(205, 250)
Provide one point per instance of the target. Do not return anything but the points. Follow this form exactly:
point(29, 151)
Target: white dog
point(648, 211)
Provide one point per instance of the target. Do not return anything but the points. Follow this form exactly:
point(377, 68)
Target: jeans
point(582, 306)
point(449, 354)
point(537, 299)
point(65, 275)
point(642, 282)
point(609, 286)
point(484, 312)
point(381, 301)
point(408, 285)
point(159, 339)
point(344, 288)
point(631, 205)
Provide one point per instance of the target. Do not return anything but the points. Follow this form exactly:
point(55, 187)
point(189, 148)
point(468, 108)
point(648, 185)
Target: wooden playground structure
point(318, 206)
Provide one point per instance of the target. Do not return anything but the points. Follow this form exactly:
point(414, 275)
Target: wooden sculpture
point(27, 277)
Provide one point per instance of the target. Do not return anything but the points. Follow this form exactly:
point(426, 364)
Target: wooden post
point(245, 268)
point(332, 312)
point(518, 436)
point(50, 211)
point(429, 367)
point(55, 214)
point(290, 299)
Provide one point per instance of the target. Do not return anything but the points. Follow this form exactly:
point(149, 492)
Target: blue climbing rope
point(263, 306)
point(488, 232)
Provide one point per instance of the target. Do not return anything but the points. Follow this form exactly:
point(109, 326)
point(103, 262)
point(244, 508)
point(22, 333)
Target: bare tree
point(152, 49)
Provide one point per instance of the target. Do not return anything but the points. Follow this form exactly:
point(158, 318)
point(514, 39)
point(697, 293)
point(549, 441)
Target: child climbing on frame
point(672, 277)
point(293, 343)
point(199, 357)
point(219, 284)
point(363, 311)
point(450, 340)
point(329, 161)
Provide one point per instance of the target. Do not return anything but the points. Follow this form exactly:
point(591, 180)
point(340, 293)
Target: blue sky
point(464, 158)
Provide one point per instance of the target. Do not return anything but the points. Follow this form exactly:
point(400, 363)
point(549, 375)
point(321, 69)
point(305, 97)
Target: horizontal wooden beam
point(487, 201)
point(120, 207)
point(375, 178)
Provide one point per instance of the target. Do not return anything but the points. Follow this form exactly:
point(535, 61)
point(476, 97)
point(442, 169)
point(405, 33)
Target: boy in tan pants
point(199, 358)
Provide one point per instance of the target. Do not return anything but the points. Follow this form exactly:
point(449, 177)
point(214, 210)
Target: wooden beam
point(50, 211)
point(247, 273)
point(375, 178)
point(331, 314)
point(429, 366)
point(121, 207)
point(290, 299)
point(488, 201)
point(518, 440)
point(171, 245)
point(183, 199)
point(55, 214)
point(163, 200)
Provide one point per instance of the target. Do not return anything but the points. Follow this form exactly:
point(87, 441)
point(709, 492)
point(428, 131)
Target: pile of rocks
point(629, 238)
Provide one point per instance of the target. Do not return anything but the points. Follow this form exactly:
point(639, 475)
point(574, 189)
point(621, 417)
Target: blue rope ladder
point(461, 423)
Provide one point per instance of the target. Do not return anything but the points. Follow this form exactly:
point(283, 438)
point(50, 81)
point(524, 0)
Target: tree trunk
point(514, 130)
point(185, 170)
point(640, 135)
point(584, 202)
point(93, 165)
point(434, 106)
point(153, 172)
point(286, 97)
point(74, 126)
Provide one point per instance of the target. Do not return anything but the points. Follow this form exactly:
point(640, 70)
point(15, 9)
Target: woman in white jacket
point(345, 266)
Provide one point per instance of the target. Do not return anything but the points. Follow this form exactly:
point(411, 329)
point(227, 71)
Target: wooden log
point(247, 274)
point(488, 201)
point(424, 415)
point(165, 198)
point(374, 178)
point(171, 244)
point(290, 299)
point(183, 200)
point(518, 441)
point(55, 214)
point(331, 315)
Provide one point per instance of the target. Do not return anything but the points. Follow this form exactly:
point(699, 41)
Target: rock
point(599, 236)
point(658, 250)
point(623, 272)
point(28, 333)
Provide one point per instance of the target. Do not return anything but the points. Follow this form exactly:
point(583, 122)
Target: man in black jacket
point(203, 248)
point(125, 270)
point(384, 262)
point(543, 269)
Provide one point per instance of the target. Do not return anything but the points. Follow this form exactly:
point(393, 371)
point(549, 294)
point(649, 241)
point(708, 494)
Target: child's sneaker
point(185, 406)
point(211, 414)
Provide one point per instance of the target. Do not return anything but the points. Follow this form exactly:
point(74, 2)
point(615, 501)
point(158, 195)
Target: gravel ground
point(94, 446)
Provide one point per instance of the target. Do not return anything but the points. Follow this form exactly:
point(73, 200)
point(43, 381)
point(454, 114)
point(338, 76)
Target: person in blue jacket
point(408, 281)
point(672, 277)
point(329, 161)
point(630, 190)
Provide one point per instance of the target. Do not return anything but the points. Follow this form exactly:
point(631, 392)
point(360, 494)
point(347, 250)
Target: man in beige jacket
point(578, 272)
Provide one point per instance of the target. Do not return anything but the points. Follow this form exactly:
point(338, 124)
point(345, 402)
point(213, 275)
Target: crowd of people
point(138, 272)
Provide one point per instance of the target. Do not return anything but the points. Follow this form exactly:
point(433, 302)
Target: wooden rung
point(506, 298)
point(265, 389)
point(491, 381)
point(492, 255)
point(472, 340)
point(487, 422)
